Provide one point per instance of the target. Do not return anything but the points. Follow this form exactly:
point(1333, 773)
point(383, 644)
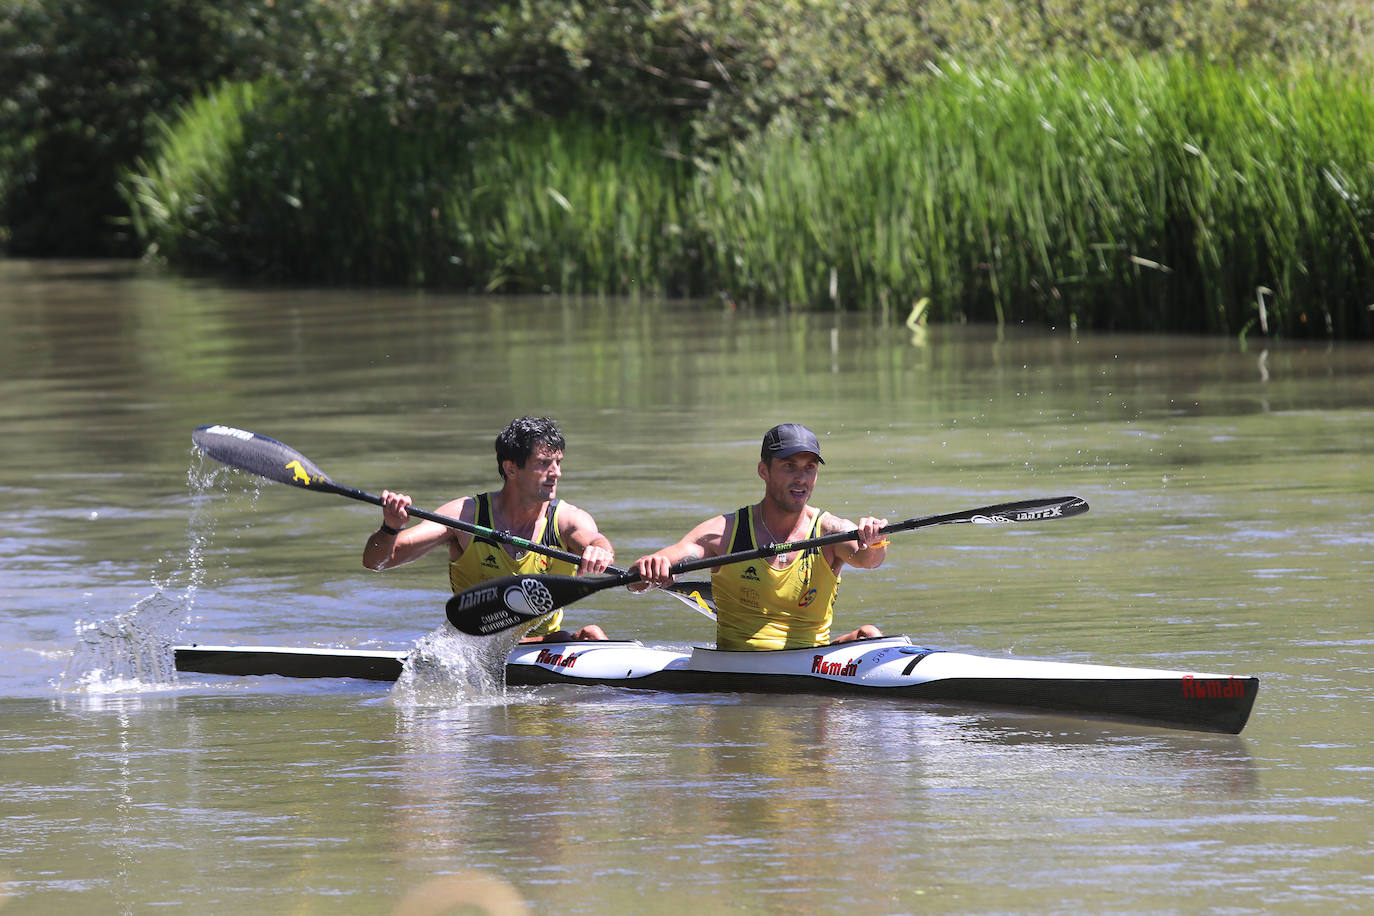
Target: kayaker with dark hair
point(786, 601)
point(529, 458)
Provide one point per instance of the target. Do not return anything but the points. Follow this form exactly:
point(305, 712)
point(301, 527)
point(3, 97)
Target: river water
point(1232, 530)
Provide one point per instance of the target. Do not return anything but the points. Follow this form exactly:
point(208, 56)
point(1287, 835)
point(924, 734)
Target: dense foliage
point(81, 80)
point(254, 182)
point(1153, 194)
point(479, 144)
point(1162, 195)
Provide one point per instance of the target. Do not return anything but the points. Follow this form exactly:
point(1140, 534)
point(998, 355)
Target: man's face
point(538, 479)
point(789, 482)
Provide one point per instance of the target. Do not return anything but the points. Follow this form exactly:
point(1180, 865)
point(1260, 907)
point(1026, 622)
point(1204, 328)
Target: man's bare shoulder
point(464, 508)
point(571, 518)
point(712, 535)
point(568, 508)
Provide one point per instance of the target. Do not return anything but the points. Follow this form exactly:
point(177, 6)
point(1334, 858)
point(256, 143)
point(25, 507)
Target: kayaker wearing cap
point(785, 601)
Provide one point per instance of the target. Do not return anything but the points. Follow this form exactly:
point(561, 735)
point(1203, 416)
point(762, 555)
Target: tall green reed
point(575, 207)
point(1149, 194)
point(983, 192)
point(1154, 194)
point(181, 200)
point(253, 181)
point(1276, 175)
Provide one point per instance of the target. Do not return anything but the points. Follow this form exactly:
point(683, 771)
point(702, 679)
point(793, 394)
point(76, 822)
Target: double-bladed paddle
point(278, 461)
point(512, 601)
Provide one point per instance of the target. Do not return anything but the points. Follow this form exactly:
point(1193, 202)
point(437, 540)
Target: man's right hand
point(654, 572)
point(394, 509)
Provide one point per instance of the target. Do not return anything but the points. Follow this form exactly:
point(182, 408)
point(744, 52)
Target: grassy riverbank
point(1149, 195)
point(1152, 194)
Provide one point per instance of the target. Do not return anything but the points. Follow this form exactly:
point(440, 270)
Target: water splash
point(129, 651)
point(447, 668)
point(132, 650)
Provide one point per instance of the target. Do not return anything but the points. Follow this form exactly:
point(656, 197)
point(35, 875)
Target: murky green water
point(1230, 530)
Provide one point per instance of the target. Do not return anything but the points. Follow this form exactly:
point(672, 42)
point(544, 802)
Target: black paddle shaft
point(511, 601)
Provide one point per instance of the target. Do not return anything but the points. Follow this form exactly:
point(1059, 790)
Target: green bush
point(254, 182)
point(1219, 31)
point(484, 146)
point(82, 79)
point(1159, 194)
point(85, 79)
point(1156, 194)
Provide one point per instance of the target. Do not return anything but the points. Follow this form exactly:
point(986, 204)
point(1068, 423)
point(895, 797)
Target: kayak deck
point(285, 661)
point(885, 666)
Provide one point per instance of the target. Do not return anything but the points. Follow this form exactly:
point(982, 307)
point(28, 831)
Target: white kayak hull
point(887, 666)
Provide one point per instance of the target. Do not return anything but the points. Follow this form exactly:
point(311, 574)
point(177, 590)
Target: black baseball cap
point(788, 439)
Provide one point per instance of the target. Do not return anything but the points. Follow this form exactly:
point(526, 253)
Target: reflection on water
point(758, 792)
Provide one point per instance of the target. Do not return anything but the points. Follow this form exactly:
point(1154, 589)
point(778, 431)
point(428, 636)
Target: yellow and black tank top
point(482, 560)
point(761, 607)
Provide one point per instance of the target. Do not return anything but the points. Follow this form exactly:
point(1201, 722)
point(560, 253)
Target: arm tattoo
point(832, 524)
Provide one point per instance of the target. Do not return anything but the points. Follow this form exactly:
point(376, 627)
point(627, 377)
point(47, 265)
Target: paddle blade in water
point(260, 455)
point(513, 601)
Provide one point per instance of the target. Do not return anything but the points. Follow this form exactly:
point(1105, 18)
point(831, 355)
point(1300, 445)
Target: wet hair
point(517, 441)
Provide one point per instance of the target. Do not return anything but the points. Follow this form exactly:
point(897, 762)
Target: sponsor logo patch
point(820, 666)
point(1212, 688)
point(556, 660)
point(1033, 514)
point(298, 472)
point(475, 596)
point(528, 596)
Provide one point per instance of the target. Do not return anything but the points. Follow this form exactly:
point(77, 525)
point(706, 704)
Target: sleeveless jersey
point(482, 561)
point(760, 607)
